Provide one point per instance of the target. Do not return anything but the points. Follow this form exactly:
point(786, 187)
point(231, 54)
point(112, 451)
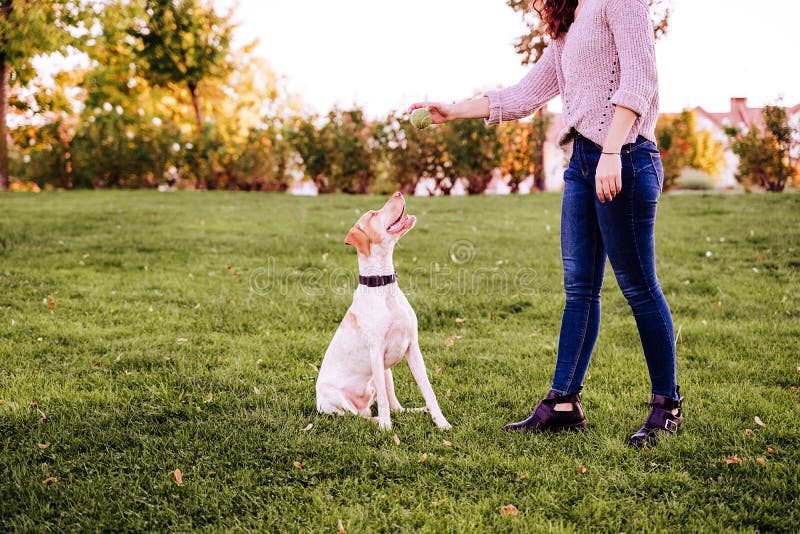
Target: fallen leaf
point(211, 472)
point(460, 320)
point(770, 450)
point(167, 358)
point(178, 477)
point(761, 460)
point(33, 404)
point(210, 397)
point(437, 369)
point(396, 439)
point(256, 390)
point(314, 367)
point(759, 422)
point(447, 393)
point(297, 465)
point(52, 304)
point(449, 342)
point(182, 340)
point(49, 480)
point(2, 401)
point(42, 445)
point(581, 469)
point(307, 427)
point(792, 388)
point(508, 510)
point(438, 503)
point(259, 361)
point(523, 476)
point(733, 460)
point(448, 443)
point(42, 415)
point(340, 526)
point(423, 457)
point(748, 432)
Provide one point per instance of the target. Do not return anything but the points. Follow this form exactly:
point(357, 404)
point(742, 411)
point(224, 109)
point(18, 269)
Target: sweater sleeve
point(531, 93)
point(629, 21)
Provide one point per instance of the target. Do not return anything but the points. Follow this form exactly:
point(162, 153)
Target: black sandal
point(545, 418)
point(659, 421)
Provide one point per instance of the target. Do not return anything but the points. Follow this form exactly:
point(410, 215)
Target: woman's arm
point(511, 103)
point(608, 177)
point(630, 24)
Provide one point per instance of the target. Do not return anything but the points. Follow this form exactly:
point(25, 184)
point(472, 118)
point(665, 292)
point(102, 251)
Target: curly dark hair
point(556, 15)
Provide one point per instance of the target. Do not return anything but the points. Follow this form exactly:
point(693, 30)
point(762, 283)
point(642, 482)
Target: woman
point(601, 60)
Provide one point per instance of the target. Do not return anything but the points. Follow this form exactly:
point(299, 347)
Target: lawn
point(142, 333)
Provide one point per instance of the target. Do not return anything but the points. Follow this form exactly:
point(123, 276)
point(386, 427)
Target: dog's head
point(381, 228)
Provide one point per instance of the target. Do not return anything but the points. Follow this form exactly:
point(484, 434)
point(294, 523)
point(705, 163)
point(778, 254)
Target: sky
point(384, 54)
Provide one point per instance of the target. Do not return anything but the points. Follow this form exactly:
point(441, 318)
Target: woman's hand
point(608, 180)
point(440, 111)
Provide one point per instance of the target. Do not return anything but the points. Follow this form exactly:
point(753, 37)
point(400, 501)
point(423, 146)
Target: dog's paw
point(444, 425)
point(384, 424)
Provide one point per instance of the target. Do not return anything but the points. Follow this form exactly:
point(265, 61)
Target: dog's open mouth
point(399, 224)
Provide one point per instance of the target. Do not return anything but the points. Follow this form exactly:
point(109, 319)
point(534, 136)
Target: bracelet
point(611, 153)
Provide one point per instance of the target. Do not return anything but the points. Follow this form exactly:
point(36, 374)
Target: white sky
point(386, 54)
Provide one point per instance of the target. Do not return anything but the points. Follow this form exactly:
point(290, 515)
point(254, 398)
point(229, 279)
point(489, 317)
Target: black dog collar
point(377, 280)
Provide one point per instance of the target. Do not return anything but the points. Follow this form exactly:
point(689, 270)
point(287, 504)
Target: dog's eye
point(373, 214)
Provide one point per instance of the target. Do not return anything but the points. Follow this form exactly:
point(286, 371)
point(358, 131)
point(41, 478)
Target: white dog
point(378, 330)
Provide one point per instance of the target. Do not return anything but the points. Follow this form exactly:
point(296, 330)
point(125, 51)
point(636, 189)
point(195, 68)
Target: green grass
point(187, 328)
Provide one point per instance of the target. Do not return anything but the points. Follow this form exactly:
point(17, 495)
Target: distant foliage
point(764, 155)
point(683, 146)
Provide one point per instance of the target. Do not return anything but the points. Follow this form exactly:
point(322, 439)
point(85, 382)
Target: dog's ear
point(359, 239)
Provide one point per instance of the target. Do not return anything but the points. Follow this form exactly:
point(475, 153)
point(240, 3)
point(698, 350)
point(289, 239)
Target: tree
point(28, 28)
point(682, 146)
point(764, 156)
point(531, 45)
point(185, 42)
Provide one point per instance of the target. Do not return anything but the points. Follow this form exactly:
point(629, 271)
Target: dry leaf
point(733, 460)
point(182, 340)
point(49, 480)
point(33, 404)
point(43, 446)
point(449, 342)
point(256, 390)
point(523, 476)
point(178, 477)
point(761, 460)
point(42, 415)
point(437, 369)
point(792, 388)
point(448, 443)
point(52, 304)
point(167, 358)
point(210, 397)
point(340, 526)
point(396, 439)
point(259, 361)
point(438, 503)
point(307, 427)
point(211, 472)
point(447, 393)
point(581, 469)
point(2, 401)
point(460, 320)
point(297, 465)
point(423, 457)
point(314, 367)
point(770, 450)
point(759, 422)
point(748, 432)
point(508, 510)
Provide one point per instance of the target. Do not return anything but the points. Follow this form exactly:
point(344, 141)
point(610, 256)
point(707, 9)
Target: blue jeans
point(622, 230)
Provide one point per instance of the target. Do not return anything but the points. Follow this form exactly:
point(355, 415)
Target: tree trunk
point(196, 104)
point(5, 71)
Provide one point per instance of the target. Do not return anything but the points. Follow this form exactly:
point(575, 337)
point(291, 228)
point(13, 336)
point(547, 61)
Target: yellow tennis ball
point(421, 118)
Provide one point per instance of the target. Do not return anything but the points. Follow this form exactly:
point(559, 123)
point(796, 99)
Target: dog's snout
point(397, 195)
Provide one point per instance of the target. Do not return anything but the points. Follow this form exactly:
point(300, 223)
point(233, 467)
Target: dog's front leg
point(417, 366)
point(376, 354)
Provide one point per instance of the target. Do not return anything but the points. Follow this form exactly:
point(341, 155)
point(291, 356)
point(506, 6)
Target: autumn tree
point(764, 155)
point(28, 28)
point(682, 146)
point(532, 43)
point(185, 42)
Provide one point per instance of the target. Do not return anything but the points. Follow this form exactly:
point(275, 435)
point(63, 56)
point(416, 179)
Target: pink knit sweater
point(606, 58)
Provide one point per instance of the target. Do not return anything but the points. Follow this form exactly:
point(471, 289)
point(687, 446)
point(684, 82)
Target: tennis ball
point(421, 118)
